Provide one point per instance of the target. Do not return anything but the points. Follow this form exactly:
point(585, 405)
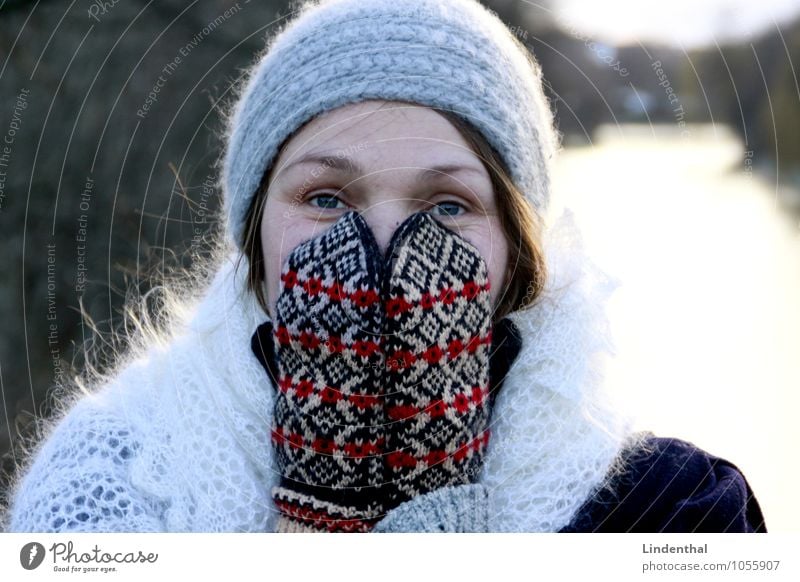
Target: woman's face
point(386, 160)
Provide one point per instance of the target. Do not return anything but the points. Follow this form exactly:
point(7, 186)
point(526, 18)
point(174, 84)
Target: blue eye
point(448, 208)
point(328, 201)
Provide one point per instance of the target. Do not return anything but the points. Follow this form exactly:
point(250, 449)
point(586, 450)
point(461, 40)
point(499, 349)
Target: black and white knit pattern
point(329, 417)
point(382, 367)
point(438, 338)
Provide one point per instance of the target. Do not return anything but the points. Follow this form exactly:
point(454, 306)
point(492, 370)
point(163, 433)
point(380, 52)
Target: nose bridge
point(384, 218)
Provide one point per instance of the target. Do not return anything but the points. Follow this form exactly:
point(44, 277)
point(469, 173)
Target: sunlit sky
point(685, 22)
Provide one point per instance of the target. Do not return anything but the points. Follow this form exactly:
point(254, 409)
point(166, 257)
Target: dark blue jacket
point(674, 487)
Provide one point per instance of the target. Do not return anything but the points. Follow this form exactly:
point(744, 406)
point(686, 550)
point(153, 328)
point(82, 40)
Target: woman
point(394, 337)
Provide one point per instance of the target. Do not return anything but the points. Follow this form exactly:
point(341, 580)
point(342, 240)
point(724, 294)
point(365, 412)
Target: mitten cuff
point(304, 513)
point(452, 509)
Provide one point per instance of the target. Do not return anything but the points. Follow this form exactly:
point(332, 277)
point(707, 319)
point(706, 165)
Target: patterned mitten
point(328, 426)
point(458, 508)
point(437, 345)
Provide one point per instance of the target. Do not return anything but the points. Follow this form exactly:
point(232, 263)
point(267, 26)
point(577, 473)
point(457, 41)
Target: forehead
point(374, 130)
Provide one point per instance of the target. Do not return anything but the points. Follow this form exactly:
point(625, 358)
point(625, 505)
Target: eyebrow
point(346, 165)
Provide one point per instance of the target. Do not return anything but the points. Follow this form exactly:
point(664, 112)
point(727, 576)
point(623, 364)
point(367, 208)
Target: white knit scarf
point(199, 408)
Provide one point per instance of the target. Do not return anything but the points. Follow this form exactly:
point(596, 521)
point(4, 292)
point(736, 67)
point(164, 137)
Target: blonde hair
point(522, 227)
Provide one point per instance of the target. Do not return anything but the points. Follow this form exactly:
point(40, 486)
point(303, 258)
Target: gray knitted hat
point(455, 55)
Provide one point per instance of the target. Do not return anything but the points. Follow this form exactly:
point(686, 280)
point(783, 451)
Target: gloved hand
point(438, 408)
point(328, 418)
point(437, 346)
point(458, 508)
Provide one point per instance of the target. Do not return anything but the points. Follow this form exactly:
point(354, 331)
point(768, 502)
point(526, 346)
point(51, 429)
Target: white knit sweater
point(179, 441)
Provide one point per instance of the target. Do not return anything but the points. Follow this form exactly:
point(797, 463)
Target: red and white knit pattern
point(382, 368)
point(328, 418)
point(438, 337)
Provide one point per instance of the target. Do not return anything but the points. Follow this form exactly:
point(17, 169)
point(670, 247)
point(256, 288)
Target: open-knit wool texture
point(179, 441)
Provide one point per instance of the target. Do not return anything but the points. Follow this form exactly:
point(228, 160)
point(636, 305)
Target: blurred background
point(681, 128)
